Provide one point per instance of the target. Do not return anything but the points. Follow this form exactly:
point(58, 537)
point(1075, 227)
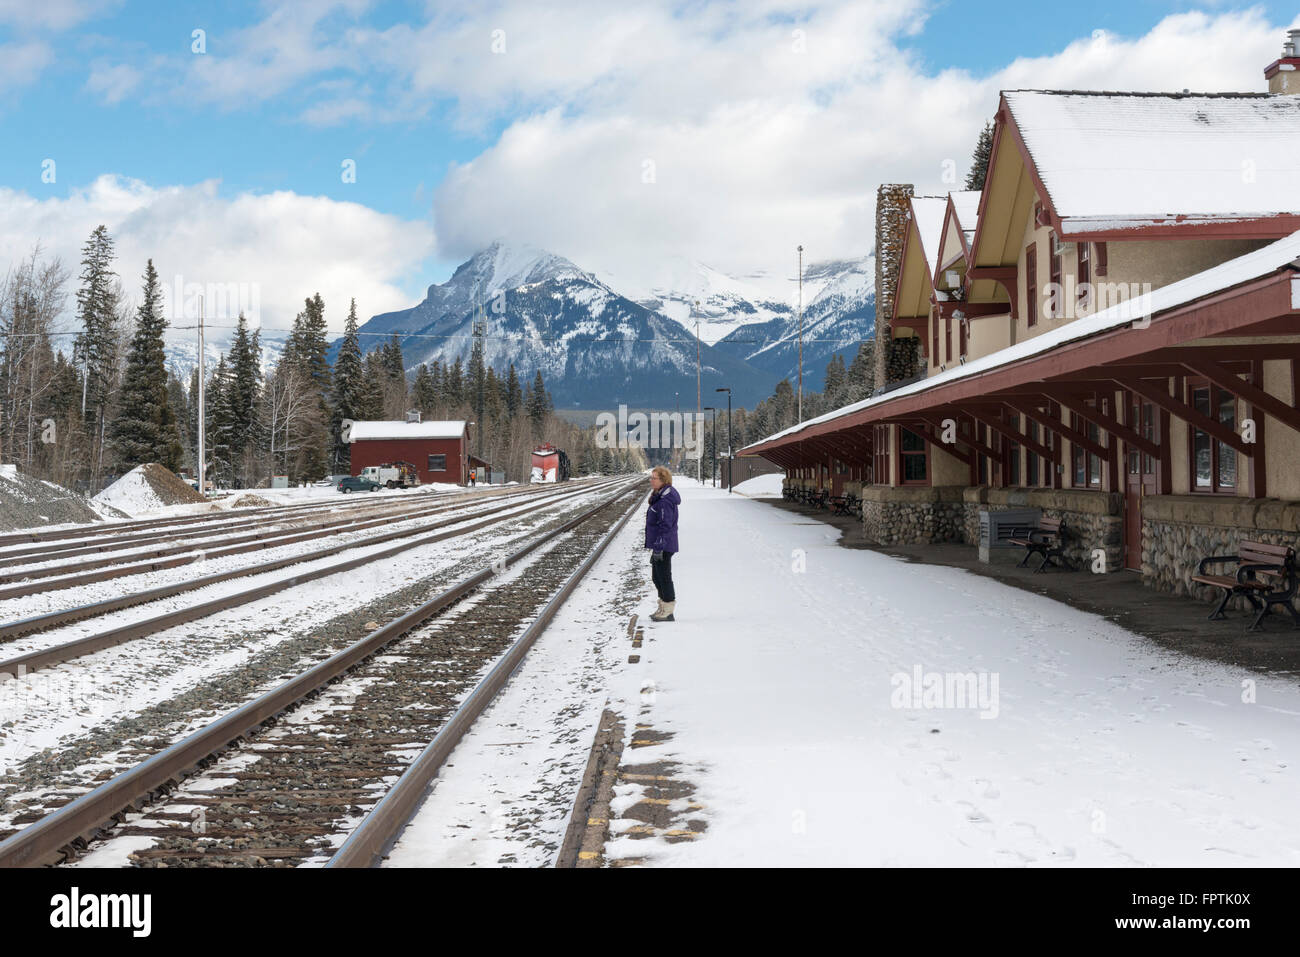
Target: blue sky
point(544, 140)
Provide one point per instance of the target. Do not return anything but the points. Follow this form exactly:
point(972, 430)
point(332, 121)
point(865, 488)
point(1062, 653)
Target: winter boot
point(665, 613)
point(654, 615)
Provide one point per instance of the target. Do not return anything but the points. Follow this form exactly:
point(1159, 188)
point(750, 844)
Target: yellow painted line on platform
point(588, 855)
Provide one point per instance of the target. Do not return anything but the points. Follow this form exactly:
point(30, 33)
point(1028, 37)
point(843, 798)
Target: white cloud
point(21, 64)
point(756, 150)
point(51, 14)
point(281, 246)
point(113, 83)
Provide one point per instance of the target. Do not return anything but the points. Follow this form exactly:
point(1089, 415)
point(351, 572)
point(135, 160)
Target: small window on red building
point(437, 463)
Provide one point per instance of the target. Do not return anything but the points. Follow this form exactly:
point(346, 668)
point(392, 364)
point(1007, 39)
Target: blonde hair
point(664, 475)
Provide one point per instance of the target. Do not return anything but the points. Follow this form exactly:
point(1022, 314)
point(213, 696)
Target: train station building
point(1107, 334)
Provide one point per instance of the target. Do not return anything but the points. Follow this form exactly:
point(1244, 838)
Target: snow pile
point(26, 502)
point(147, 487)
point(762, 486)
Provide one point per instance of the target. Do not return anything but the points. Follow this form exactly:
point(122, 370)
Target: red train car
point(550, 464)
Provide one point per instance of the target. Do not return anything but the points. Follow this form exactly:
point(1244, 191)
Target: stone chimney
point(891, 230)
point(1283, 74)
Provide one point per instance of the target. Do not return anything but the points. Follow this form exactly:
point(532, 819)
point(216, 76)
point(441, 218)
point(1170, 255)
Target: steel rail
point(45, 841)
point(379, 830)
point(71, 574)
point(89, 644)
point(225, 522)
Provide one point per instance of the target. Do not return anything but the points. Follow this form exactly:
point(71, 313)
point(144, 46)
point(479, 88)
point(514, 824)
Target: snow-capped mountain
point(183, 354)
point(692, 292)
point(756, 317)
point(595, 347)
point(599, 341)
point(839, 313)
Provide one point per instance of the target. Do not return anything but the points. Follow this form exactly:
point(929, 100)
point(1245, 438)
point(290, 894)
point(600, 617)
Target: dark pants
point(662, 573)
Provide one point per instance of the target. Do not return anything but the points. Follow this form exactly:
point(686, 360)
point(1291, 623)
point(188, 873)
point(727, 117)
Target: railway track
point(408, 538)
point(309, 763)
point(30, 581)
point(108, 539)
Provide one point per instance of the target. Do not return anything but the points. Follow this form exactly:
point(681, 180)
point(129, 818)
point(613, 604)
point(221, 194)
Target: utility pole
point(203, 489)
point(699, 408)
point(800, 337)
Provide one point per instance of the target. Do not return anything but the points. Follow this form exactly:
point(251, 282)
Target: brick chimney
point(1283, 74)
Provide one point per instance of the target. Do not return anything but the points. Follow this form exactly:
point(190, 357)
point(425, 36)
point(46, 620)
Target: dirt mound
point(26, 502)
point(147, 487)
point(251, 501)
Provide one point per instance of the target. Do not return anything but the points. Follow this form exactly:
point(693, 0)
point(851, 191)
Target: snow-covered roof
point(1119, 160)
point(929, 212)
point(966, 204)
point(406, 430)
point(1261, 262)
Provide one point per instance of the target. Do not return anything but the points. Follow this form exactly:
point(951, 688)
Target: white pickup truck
point(393, 475)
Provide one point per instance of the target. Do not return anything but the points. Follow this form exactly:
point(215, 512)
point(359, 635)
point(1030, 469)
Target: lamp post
point(713, 465)
point(729, 459)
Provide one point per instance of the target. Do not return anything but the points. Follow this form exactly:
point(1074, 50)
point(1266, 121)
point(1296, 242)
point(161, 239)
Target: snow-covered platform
point(798, 687)
point(832, 706)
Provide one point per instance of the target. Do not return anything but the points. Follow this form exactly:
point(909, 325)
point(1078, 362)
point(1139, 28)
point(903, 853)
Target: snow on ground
point(505, 796)
point(784, 685)
point(47, 706)
point(762, 486)
point(146, 488)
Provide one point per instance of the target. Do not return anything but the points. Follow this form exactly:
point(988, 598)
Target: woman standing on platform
point(661, 539)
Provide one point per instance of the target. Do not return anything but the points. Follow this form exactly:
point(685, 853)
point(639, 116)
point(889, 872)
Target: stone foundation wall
point(1179, 530)
point(1093, 520)
point(919, 516)
point(911, 516)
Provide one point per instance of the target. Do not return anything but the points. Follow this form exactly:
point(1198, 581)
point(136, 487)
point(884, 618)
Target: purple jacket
point(661, 520)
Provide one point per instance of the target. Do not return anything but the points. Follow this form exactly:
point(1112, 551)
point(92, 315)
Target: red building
point(438, 450)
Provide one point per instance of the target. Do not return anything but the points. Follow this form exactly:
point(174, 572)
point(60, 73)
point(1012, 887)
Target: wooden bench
point(855, 506)
point(1047, 540)
point(788, 494)
point(840, 504)
point(1265, 576)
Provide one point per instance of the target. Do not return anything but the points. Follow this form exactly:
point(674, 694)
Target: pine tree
point(979, 165)
point(514, 396)
point(95, 347)
point(349, 385)
point(144, 428)
point(425, 397)
point(476, 379)
point(244, 366)
point(835, 375)
point(455, 384)
point(538, 400)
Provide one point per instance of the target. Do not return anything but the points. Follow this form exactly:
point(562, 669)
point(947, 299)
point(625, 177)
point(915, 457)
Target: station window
point(1084, 286)
point(1013, 454)
point(1087, 465)
point(911, 458)
point(1214, 464)
point(1054, 275)
point(880, 456)
point(437, 463)
point(1031, 284)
